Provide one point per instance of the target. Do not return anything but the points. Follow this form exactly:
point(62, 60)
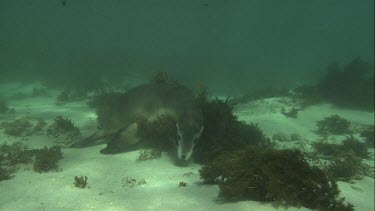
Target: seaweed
point(348, 146)
point(149, 154)
point(292, 113)
point(267, 175)
point(16, 153)
point(222, 131)
point(5, 174)
point(11, 156)
point(355, 147)
point(131, 182)
point(345, 159)
point(350, 86)
point(327, 149)
point(333, 125)
point(347, 167)
point(46, 159)
point(23, 127)
point(64, 130)
point(158, 134)
point(80, 182)
point(308, 93)
point(368, 135)
point(161, 77)
point(182, 184)
point(64, 124)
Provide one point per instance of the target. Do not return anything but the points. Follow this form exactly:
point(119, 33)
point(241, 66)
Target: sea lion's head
point(189, 129)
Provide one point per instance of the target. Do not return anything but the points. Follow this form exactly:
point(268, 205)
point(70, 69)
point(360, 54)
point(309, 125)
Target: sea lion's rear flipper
point(125, 140)
point(93, 140)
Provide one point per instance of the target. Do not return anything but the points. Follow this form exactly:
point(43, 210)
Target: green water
point(232, 46)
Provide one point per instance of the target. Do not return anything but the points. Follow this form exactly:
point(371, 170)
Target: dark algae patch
point(63, 130)
point(11, 156)
point(368, 135)
point(80, 182)
point(349, 146)
point(223, 132)
point(46, 159)
point(23, 127)
point(333, 125)
point(280, 176)
point(345, 159)
point(350, 86)
point(43, 160)
point(239, 158)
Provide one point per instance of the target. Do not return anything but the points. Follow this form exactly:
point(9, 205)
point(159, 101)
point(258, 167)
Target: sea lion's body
point(119, 118)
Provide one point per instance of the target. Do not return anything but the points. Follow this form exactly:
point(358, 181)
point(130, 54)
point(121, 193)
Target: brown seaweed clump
point(348, 146)
point(64, 130)
point(223, 132)
point(46, 159)
point(268, 175)
point(11, 156)
point(80, 182)
point(333, 125)
point(149, 154)
point(159, 134)
point(351, 86)
point(345, 160)
point(348, 167)
point(23, 127)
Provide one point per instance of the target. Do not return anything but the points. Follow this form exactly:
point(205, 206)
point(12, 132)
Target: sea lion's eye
point(178, 139)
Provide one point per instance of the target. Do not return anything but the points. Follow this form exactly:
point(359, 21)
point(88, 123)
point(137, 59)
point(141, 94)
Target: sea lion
point(118, 118)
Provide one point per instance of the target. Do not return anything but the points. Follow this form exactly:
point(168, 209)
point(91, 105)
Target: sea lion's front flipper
point(93, 140)
point(123, 141)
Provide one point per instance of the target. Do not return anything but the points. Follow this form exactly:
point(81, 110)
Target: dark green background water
point(229, 45)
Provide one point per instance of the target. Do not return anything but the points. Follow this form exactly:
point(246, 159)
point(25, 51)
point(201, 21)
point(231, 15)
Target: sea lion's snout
point(186, 141)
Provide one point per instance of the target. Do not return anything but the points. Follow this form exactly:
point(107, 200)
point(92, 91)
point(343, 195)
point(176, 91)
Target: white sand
point(29, 190)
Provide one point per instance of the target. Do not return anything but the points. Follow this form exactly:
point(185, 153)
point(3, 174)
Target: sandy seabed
point(107, 174)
